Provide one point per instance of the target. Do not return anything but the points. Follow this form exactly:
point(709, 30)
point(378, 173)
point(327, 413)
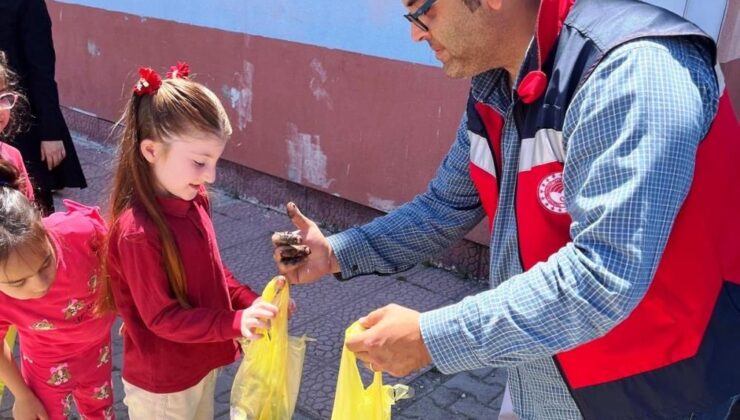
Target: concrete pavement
point(325, 309)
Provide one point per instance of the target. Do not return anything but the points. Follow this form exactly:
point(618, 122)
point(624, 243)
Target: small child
point(10, 101)
point(48, 279)
point(181, 307)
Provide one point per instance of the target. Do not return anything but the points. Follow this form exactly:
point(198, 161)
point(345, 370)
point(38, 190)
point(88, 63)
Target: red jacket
point(168, 348)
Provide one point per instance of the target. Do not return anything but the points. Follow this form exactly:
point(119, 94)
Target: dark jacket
point(25, 36)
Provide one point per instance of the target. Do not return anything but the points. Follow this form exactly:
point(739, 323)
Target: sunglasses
point(8, 100)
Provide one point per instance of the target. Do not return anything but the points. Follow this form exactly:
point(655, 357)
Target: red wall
point(381, 126)
point(367, 129)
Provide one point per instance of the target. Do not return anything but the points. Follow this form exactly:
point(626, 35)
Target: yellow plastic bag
point(355, 402)
point(10, 341)
point(267, 382)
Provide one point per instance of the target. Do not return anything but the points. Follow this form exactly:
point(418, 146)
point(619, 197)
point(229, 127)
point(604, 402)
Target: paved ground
point(324, 311)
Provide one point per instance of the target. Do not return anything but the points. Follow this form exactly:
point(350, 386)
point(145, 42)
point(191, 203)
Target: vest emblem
point(550, 193)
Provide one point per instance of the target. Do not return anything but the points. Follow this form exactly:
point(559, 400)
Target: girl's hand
point(29, 407)
point(257, 316)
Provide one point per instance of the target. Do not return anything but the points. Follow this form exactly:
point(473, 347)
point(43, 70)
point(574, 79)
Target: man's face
point(458, 35)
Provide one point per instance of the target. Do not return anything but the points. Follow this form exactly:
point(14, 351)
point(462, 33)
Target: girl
point(48, 281)
point(11, 102)
point(181, 307)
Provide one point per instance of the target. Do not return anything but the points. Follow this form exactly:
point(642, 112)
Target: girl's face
point(182, 164)
point(29, 271)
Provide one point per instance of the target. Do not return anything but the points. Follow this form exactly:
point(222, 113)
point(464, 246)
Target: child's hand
point(291, 308)
point(29, 408)
point(256, 316)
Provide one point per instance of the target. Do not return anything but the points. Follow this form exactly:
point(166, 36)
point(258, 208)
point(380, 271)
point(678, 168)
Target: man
point(596, 143)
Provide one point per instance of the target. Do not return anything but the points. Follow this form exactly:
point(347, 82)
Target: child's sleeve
point(138, 270)
point(242, 296)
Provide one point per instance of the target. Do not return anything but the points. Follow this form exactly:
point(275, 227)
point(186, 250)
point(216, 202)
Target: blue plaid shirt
point(631, 135)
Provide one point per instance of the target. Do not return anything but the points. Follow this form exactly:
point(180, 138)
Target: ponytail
point(175, 106)
point(132, 184)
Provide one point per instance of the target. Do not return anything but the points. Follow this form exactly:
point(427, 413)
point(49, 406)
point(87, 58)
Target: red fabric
point(86, 379)
point(550, 19)
point(60, 324)
point(149, 82)
point(65, 349)
point(494, 123)
point(532, 86)
point(542, 231)
point(485, 183)
point(701, 252)
point(13, 155)
point(487, 188)
point(179, 71)
point(168, 348)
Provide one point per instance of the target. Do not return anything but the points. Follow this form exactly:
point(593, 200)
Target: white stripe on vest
point(480, 153)
point(545, 147)
point(720, 78)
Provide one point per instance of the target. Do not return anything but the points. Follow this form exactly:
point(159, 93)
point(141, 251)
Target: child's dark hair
point(179, 106)
point(9, 82)
point(20, 221)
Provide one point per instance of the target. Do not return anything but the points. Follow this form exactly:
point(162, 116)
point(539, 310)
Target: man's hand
point(52, 152)
point(28, 407)
point(303, 256)
point(392, 342)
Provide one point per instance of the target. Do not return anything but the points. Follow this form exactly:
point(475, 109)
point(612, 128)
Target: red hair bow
point(149, 82)
point(179, 71)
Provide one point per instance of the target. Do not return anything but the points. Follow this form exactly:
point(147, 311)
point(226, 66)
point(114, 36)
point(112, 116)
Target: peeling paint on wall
point(381, 204)
point(318, 80)
point(93, 49)
point(306, 161)
point(240, 96)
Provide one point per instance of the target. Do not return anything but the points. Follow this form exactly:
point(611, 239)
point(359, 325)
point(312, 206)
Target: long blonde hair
point(178, 107)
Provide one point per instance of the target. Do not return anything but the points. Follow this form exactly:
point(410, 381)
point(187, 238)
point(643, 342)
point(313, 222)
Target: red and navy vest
point(677, 352)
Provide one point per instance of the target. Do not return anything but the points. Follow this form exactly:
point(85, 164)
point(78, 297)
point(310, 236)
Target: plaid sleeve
point(428, 224)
